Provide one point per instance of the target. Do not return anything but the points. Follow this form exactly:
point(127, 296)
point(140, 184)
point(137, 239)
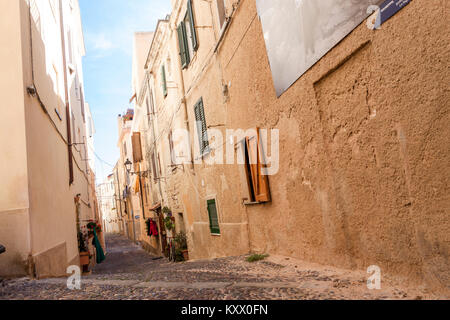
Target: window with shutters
point(164, 80)
point(202, 129)
point(213, 217)
point(187, 36)
point(137, 147)
point(255, 179)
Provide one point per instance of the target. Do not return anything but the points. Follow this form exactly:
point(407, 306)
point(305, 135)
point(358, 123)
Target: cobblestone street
point(129, 273)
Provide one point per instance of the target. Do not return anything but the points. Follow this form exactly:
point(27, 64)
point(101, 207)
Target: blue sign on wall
point(391, 7)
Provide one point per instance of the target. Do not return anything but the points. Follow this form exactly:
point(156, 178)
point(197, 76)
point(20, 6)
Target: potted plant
point(181, 241)
point(169, 223)
point(93, 225)
point(167, 211)
point(82, 248)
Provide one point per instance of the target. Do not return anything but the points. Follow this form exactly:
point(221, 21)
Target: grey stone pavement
point(130, 273)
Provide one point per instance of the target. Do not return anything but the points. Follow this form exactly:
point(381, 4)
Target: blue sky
point(108, 27)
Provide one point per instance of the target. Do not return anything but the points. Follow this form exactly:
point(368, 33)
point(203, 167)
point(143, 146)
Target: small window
point(256, 180)
point(213, 217)
point(202, 130)
point(137, 147)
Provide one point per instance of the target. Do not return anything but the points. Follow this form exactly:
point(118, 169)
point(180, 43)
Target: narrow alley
point(130, 273)
point(224, 150)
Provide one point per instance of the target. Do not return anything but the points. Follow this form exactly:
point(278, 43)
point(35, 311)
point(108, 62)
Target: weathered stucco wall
point(190, 188)
point(14, 202)
point(37, 211)
point(52, 214)
point(364, 145)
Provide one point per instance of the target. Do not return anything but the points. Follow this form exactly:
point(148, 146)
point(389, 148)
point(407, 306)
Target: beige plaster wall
point(364, 159)
point(14, 200)
point(52, 209)
point(364, 170)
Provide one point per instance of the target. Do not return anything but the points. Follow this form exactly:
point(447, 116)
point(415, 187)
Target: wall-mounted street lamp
point(128, 165)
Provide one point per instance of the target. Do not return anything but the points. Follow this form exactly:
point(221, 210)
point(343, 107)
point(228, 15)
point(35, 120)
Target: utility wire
point(99, 158)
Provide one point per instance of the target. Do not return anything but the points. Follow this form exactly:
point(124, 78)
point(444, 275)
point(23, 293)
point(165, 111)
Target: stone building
point(47, 183)
point(357, 159)
point(107, 205)
point(123, 178)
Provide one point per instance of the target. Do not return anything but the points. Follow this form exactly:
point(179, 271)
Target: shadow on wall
point(52, 210)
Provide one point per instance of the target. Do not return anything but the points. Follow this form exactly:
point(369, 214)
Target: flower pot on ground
point(185, 254)
point(84, 258)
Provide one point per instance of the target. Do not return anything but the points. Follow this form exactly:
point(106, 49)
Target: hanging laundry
point(99, 250)
point(154, 228)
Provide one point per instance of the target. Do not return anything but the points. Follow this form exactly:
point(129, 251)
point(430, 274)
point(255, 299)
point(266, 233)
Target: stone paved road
point(129, 273)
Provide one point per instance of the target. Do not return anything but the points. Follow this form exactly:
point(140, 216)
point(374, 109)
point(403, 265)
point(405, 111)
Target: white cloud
point(102, 43)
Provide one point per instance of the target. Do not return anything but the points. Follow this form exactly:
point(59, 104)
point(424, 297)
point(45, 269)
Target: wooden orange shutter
point(259, 179)
point(137, 148)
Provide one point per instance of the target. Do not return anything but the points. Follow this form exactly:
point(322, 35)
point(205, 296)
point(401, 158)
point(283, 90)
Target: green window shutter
point(185, 41)
point(202, 129)
point(182, 46)
point(163, 80)
point(192, 22)
point(182, 42)
point(213, 217)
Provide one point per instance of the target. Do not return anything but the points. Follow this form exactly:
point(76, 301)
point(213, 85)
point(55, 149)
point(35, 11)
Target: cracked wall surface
point(364, 168)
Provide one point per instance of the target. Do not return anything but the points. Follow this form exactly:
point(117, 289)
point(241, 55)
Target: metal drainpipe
point(131, 210)
point(66, 93)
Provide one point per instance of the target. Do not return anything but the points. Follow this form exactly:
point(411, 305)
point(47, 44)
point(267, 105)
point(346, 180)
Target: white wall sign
point(300, 32)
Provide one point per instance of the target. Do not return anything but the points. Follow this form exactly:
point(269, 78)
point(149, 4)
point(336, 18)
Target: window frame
point(214, 229)
point(186, 44)
point(202, 133)
point(255, 180)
